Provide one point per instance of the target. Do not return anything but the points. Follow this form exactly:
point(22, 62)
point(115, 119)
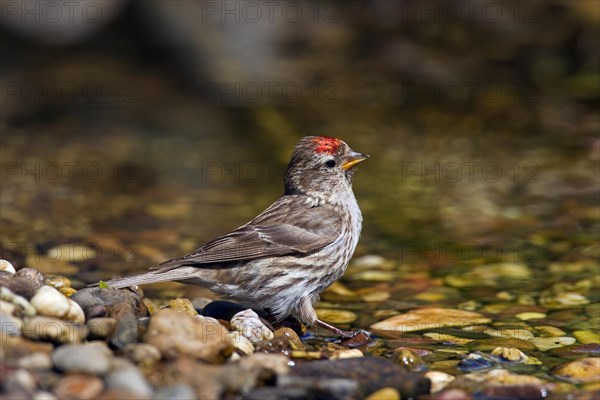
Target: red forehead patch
point(326, 144)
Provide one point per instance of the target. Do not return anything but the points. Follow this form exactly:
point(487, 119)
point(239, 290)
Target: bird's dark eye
point(330, 163)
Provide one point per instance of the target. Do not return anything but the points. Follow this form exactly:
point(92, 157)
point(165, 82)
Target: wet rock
point(72, 252)
point(17, 383)
point(91, 358)
point(510, 333)
point(335, 316)
point(39, 360)
point(586, 337)
point(580, 371)
point(250, 325)
point(33, 275)
point(241, 342)
point(552, 300)
point(408, 360)
point(323, 388)
point(50, 302)
point(7, 266)
point(53, 329)
point(523, 391)
point(546, 343)
point(488, 275)
point(175, 333)
point(452, 394)
point(370, 373)
point(183, 306)
point(101, 328)
point(384, 394)
point(444, 338)
point(428, 318)
point(439, 380)
point(491, 344)
point(124, 376)
point(142, 353)
point(79, 386)
point(549, 331)
point(291, 336)
point(14, 347)
point(346, 353)
point(369, 261)
point(525, 316)
point(513, 355)
point(477, 361)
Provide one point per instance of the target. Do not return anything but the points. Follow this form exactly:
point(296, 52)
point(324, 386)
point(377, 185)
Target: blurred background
point(133, 131)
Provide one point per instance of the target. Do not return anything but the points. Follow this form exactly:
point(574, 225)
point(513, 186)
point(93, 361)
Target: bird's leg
point(305, 313)
point(339, 332)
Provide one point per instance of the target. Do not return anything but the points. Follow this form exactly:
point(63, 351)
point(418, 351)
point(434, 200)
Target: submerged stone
point(428, 318)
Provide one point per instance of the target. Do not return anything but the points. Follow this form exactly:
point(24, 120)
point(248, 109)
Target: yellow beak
point(354, 159)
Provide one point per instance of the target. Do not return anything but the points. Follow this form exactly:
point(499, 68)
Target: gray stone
point(126, 376)
point(91, 358)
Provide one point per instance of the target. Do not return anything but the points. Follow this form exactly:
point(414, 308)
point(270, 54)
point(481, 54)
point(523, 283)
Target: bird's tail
point(178, 274)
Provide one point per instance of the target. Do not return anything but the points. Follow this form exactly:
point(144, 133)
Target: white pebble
point(250, 325)
point(50, 302)
point(7, 266)
point(241, 342)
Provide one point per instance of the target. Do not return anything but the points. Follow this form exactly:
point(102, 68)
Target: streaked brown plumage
point(282, 259)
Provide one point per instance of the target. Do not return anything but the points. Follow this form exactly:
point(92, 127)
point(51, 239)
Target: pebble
point(549, 331)
point(561, 300)
point(369, 261)
point(183, 305)
point(547, 343)
point(176, 333)
point(275, 364)
point(510, 333)
point(514, 355)
point(476, 361)
point(335, 316)
point(37, 360)
point(179, 392)
point(126, 377)
point(142, 353)
point(491, 344)
point(526, 316)
point(58, 282)
point(91, 358)
point(79, 386)
point(439, 380)
point(428, 318)
point(251, 326)
point(101, 328)
point(586, 337)
point(53, 329)
point(346, 353)
point(408, 359)
point(32, 275)
point(50, 302)
point(586, 370)
point(23, 306)
point(291, 336)
point(388, 393)
point(444, 338)
point(10, 325)
point(7, 266)
point(241, 342)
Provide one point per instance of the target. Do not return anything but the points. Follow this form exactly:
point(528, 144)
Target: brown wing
point(289, 226)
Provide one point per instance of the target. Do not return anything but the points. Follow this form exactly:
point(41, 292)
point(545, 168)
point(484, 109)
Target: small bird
point(282, 259)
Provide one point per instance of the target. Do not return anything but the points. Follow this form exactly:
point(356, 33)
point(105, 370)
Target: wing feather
point(291, 225)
